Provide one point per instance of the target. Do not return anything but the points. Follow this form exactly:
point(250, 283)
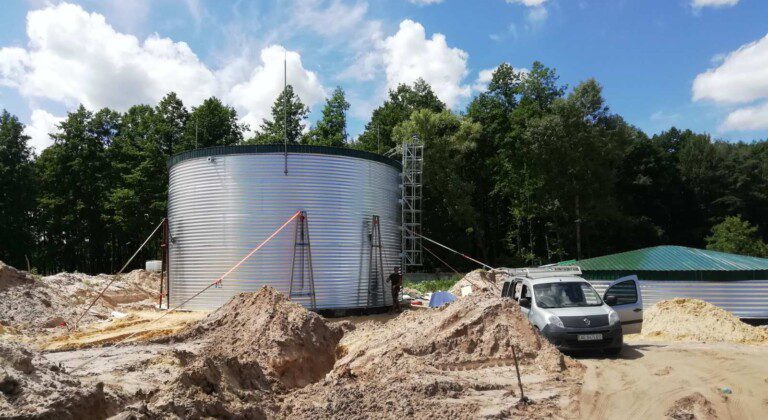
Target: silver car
point(570, 313)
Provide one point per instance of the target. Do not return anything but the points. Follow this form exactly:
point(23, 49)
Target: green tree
point(289, 116)
point(136, 201)
point(736, 236)
point(331, 130)
point(402, 101)
point(74, 176)
point(210, 124)
point(172, 119)
point(16, 192)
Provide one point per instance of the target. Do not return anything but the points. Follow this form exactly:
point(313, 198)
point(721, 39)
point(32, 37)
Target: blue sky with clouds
point(699, 64)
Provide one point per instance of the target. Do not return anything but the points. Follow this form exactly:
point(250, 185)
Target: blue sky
point(699, 64)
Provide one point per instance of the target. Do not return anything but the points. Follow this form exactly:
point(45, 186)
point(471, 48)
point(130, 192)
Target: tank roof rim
point(280, 148)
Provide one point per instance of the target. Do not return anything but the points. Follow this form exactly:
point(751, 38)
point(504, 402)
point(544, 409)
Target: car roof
point(553, 279)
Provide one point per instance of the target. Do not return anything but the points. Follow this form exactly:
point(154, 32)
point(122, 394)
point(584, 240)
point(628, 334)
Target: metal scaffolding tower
point(411, 193)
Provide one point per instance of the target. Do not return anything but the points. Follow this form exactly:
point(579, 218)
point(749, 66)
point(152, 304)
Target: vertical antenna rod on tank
point(285, 110)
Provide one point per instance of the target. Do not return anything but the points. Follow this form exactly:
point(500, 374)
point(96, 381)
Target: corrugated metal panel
point(280, 148)
point(745, 299)
point(221, 209)
point(673, 258)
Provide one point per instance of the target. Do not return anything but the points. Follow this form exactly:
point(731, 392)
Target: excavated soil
point(266, 357)
point(456, 361)
point(694, 406)
point(685, 319)
point(480, 280)
point(33, 306)
point(257, 345)
point(31, 387)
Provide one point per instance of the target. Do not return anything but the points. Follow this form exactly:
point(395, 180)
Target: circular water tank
point(224, 201)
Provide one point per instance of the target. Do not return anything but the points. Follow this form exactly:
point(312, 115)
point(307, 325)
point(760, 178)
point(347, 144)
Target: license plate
point(590, 337)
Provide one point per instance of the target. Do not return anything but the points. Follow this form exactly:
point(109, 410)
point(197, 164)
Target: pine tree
point(331, 130)
point(287, 111)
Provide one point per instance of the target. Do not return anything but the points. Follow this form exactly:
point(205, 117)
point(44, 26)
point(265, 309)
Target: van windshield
point(566, 295)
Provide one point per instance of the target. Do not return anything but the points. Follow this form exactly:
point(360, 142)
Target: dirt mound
point(696, 320)
point(34, 306)
point(473, 330)
point(415, 363)
point(480, 280)
point(293, 345)
point(11, 277)
point(258, 345)
point(31, 387)
point(694, 406)
point(212, 387)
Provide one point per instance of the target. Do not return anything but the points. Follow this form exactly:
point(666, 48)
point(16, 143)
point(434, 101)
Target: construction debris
point(686, 319)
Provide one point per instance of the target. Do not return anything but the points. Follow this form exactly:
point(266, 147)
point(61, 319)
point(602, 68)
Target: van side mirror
point(611, 300)
point(525, 302)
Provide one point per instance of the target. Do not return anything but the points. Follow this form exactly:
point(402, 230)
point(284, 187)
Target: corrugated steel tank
point(224, 201)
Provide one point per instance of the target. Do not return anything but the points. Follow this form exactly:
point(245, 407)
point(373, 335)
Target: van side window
point(625, 292)
point(505, 290)
point(524, 294)
point(518, 289)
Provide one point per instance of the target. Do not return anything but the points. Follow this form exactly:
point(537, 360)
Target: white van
point(570, 313)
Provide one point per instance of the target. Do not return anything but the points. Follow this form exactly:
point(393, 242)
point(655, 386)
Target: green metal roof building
point(737, 283)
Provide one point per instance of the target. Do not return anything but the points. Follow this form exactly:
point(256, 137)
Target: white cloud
point(741, 78)
point(75, 57)
point(529, 3)
point(698, 4)
point(537, 14)
point(745, 119)
point(329, 18)
point(41, 124)
point(484, 77)
point(409, 55)
point(265, 82)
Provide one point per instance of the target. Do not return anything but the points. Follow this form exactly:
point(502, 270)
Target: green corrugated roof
point(671, 258)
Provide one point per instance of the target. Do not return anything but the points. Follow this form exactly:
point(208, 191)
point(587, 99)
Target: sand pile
point(31, 387)
point(30, 305)
point(11, 277)
point(694, 406)
point(257, 345)
point(480, 280)
point(418, 364)
point(294, 346)
point(696, 320)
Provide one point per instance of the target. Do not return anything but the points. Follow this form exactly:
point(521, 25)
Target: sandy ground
point(135, 326)
point(651, 378)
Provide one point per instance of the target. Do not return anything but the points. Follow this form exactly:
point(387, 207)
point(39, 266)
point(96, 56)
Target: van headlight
point(555, 320)
point(613, 318)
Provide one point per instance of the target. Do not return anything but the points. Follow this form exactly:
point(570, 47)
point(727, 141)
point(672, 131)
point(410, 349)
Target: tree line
point(530, 172)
